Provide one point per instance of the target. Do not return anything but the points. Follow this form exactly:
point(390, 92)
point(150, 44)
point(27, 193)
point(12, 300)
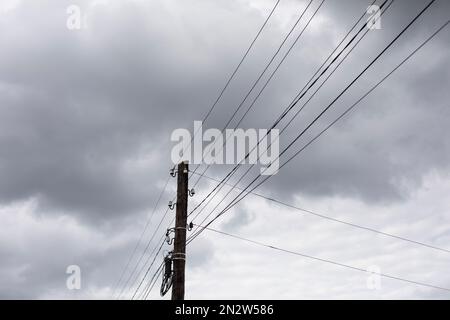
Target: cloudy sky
point(86, 117)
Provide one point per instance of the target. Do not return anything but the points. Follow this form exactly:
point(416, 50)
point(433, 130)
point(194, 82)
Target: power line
point(284, 57)
point(153, 281)
point(241, 61)
point(342, 92)
point(323, 216)
point(333, 71)
point(309, 99)
point(323, 260)
point(265, 84)
point(141, 236)
point(148, 270)
point(236, 167)
point(358, 101)
point(153, 255)
point(233, 202)
point(150, 284)
point(299, 96)
point(296, 99)
point(236, 69)
point(143, 254)
point(255, 83)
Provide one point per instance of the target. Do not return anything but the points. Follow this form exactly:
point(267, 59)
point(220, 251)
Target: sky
point(86, 117)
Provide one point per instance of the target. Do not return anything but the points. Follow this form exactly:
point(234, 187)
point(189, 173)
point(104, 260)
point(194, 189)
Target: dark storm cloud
point(86, 116)
point(86, 101)
point(83, 103)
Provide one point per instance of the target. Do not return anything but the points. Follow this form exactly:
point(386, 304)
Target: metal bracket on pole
point(171, 205)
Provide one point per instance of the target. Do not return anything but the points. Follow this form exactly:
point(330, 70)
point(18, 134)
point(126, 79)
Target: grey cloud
point(86, 116)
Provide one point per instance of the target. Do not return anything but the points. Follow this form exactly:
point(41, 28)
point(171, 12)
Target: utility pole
point(179, 247)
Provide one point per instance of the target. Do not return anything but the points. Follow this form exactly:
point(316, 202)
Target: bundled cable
point(167, 275)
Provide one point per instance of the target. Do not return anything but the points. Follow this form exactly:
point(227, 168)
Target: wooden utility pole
point(179, 247)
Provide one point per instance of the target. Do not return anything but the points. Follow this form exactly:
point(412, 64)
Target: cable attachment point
point(191, 192)
point(190, 226)
point(173, 172)
point(171, 205)
point(170, 240)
